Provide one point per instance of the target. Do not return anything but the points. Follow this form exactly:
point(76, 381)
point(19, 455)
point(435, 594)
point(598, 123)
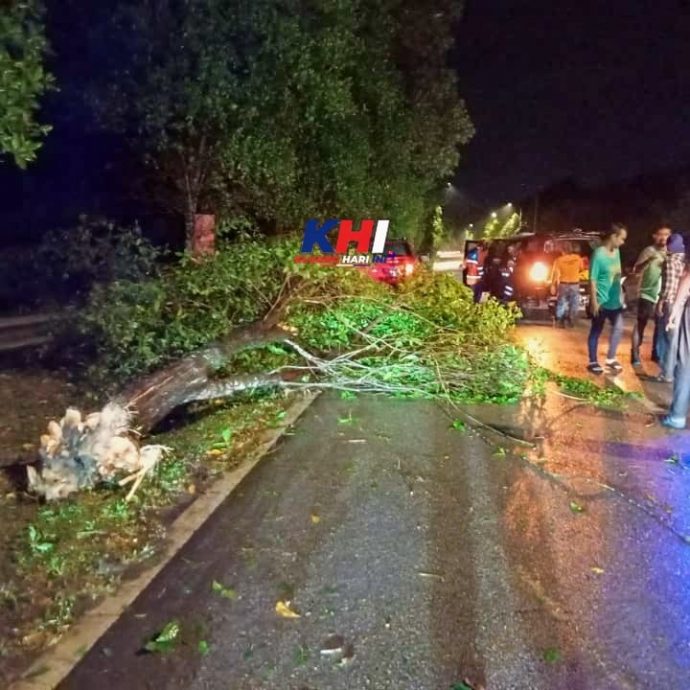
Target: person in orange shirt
point(565, 282)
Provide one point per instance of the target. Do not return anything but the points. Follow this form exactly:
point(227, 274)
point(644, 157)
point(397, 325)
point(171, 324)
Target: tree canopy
point(23, 78)
point(278, 111)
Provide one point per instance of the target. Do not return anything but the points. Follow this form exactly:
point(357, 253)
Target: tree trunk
point(192, 378)
point(189, 215)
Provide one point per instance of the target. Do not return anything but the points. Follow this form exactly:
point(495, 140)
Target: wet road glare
point(419, 556)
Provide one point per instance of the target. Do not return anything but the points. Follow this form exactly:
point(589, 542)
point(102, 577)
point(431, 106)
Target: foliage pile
point(427, 340)
point(342, 329)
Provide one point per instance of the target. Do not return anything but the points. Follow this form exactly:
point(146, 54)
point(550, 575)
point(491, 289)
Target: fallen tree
point(336, 329)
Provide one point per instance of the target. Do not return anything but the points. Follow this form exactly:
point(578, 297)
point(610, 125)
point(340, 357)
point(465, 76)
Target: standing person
point(565, 282)
point(673, 269)
point(492, 280)
point(679, 320)
point(606, 299)
point(649, 263)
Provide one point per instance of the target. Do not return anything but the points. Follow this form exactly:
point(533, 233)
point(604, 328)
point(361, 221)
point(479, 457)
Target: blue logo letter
point(316, 234)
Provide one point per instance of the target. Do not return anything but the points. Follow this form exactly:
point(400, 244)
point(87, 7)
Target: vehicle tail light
point(539, 272)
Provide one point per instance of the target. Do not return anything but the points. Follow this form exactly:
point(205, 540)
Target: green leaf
point(576, 507)
point(459, 425)
point(203, 647)
point(552, 655)
point(166, 640)
point(223, 591)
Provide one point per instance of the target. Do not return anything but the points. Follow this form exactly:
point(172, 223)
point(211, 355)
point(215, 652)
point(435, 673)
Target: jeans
point(681, 393)
point(568, 301)
point(667, 345)
point(615, 317)
point(646, 310)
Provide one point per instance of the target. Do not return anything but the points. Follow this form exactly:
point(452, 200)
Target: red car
point(401, 262)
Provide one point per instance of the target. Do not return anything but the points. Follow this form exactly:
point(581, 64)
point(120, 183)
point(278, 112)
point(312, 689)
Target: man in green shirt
point(606, 299)
point(650, 264)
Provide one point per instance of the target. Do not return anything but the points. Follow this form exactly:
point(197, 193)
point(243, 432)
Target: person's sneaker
point(595, 368)
point(614, 365)
point(672, 423)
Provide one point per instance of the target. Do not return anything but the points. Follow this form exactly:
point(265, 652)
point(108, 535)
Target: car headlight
point(409, 268)
point(539, 272)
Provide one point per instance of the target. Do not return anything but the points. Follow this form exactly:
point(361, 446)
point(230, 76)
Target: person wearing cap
point(666, 345)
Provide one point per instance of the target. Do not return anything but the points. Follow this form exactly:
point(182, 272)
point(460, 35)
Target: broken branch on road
point(429, 340)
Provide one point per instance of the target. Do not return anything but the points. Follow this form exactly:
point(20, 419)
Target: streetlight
point(510, 204)
point(494, 215)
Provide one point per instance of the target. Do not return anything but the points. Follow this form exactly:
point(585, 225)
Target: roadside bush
point(69, 262)
point(138, 325)
point(97, 252)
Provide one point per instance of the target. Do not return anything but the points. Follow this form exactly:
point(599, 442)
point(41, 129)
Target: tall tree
point(23, 78)
point(285, 109)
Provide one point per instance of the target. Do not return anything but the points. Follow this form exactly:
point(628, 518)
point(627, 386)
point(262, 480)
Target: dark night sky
point(598, 90)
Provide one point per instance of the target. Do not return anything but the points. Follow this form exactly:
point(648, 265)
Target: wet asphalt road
point(436, 555)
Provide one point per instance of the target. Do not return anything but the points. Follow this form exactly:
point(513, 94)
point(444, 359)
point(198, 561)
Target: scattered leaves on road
point(284, 611)
point(597, 570)
point(315, 519)
point(500, 453)
point(223, 591)
point(346, 420)
point(463, 685)
point(459, 425)
point(203, 647)
point(552, 655)
point(165, 640)
point(301, 655)
point(347, 395)
point(576, 507)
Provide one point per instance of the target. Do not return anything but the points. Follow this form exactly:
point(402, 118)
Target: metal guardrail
point(20, 332)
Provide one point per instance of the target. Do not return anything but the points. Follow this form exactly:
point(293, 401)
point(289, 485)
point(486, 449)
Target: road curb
point(57, 662)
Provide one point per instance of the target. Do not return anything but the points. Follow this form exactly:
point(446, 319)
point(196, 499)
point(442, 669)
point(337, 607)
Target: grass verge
point(70, 554)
